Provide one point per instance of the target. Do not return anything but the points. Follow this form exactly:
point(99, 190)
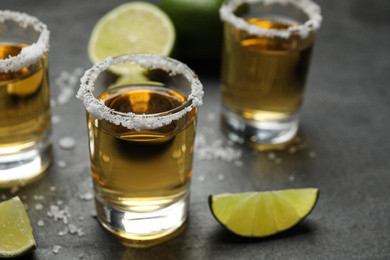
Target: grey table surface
point(345, 123)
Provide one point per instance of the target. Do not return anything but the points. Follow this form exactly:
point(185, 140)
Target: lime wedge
point(16, 233)
point(260, 214)
point(134, 27)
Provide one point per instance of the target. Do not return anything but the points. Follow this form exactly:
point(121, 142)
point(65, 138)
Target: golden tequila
point(147, 170)
point(263, 77)
point(24, 104)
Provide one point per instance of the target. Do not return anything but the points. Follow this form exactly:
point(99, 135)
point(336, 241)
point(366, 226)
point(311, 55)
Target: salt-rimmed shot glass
point(265, 62)
point(25, 145)
point(141, 141)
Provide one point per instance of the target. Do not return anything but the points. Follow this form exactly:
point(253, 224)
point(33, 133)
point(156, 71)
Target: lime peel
point(261, 214)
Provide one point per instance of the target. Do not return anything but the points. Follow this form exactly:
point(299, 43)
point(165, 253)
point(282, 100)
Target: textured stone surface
point(345, 122)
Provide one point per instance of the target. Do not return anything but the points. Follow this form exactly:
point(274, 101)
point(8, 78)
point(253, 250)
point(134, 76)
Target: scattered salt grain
point(87, 196)
point(239, 163)
point(53, 188)
point(40, 223)
point(39, 197)
point(67, 142)
point(72, 229)
point(201, 178)
point(278, 160)
point(56, 249)
point(291, 178)
point(60, 202)
point(221, 177)
point(211, 117)
point(66, 82)
point(55, 119)
point(57, 213)
point(292, 149)
point(80, 232)
point(271, 156)
point(312, 154)
point(62, 164)
point(65, 220)
point(3, 197)
point(64, 232)
point(216, 151)
point(93, 214)
point(38, 206)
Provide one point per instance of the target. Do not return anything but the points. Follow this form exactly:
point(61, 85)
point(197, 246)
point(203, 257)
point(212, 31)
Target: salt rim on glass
point(98, 110)
point(311, 9)
point(31, 53)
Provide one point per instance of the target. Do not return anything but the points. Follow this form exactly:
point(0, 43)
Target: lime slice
point(260, 214)
point(16, 233)
point(134, 27)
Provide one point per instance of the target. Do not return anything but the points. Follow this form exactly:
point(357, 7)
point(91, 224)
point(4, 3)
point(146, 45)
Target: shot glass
point(265, 62)
point(141, 141)
point(25, 125)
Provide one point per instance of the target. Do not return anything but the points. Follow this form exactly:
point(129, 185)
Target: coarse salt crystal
point(67, 142)
point(312, 154)
point(87, 196)
point(55, 119)
point(72, 229)
point(38, 206)
point(56, 249)
point(221, 177)
point(62, 164)
point(271, 156)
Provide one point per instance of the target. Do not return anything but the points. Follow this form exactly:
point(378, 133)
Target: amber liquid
point(263, 78)
point(142, 171)
point(24, 104)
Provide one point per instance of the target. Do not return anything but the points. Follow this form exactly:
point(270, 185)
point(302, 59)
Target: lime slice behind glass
point(16, 237)
point(134, 27)
point(261, 214)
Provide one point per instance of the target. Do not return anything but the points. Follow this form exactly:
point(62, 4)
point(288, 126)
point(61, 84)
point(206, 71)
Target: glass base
point(25, 166)
point(261, 135)
point(137, 229)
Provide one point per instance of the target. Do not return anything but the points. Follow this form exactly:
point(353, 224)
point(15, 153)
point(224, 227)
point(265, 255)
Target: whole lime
point(198, 28)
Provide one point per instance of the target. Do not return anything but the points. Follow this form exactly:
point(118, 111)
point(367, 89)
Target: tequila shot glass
point(265, 63)
point(141, 141)
point(25, 125)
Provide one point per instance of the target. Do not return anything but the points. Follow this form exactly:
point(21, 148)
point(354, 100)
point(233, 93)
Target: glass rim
point(311, 9)
point(31, 53)
point(98, 110)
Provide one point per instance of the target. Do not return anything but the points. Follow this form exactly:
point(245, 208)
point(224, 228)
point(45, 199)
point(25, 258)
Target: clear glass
point(25, 145)
point(142, 176)
point(265, 62)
